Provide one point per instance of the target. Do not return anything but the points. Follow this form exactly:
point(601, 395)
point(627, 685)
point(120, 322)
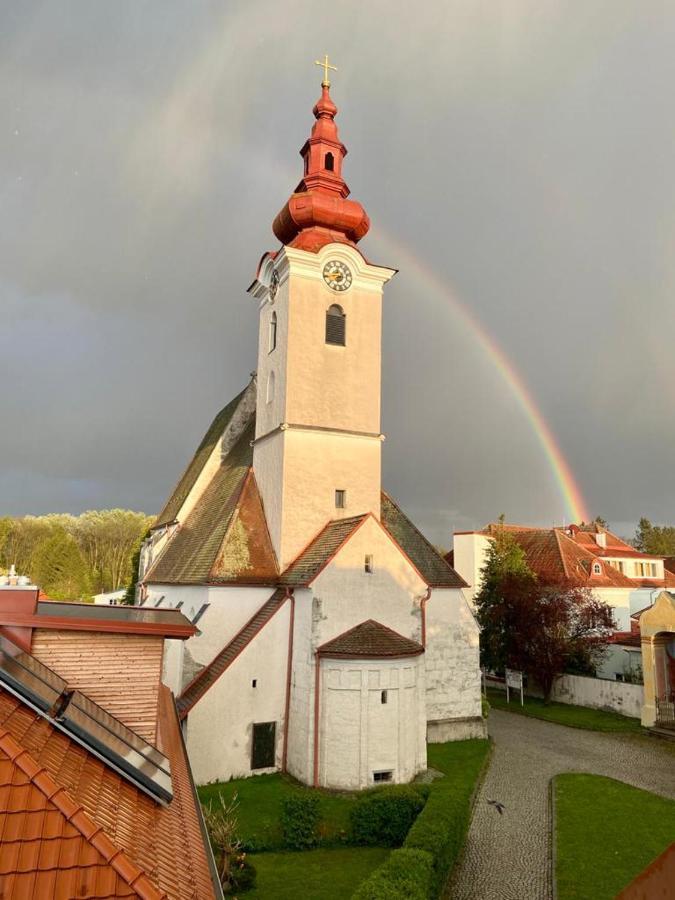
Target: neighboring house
point(589, 556)
point(333, 639)
point(623, 658)
point(96, 793)
point(110, 598)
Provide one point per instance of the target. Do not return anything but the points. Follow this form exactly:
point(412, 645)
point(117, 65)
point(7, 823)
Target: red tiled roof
point(626, 638)
point(70, 826)
point(553, 554)
point(370, 640)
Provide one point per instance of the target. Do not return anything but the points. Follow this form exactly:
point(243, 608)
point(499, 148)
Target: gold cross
point(326, 66)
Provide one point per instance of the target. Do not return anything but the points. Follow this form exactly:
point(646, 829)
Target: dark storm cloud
point(523, 151)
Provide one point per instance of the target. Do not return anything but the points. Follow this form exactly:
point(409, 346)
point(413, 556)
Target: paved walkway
point(507, 856)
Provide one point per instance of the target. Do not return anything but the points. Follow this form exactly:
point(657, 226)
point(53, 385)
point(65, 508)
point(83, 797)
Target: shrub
point(384, 816)
point(299, 821)
point(234, 872)
point(406, 875)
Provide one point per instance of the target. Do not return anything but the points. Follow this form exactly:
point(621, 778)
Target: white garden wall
point(599, 693)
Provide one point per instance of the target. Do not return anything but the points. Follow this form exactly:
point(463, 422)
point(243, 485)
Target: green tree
point(60, 569)
point(656, 539)
point(505, 564)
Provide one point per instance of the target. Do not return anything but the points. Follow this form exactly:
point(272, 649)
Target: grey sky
point(521, 151)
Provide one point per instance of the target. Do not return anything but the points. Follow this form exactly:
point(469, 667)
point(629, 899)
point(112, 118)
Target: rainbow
point(575, 505)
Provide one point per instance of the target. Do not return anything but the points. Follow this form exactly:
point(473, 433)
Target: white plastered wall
point(469, 557)
point(359, 734)
point(452, 657)
point(220, 726)
point(229, 609)
point(321, 431)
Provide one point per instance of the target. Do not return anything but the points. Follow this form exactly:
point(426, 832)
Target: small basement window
point(340, 499)
point(368, 564)
point(384, 696)
point(379, 777)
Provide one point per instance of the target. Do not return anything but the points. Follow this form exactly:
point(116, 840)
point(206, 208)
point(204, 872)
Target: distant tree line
point(74, 557)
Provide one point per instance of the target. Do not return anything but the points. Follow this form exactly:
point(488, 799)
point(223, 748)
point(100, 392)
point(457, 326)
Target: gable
point(194, 550)
point(391, 566)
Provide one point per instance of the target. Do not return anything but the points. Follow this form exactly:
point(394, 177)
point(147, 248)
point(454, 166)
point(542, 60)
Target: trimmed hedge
point(420, 869)
point(383, 817)
point(406, 874)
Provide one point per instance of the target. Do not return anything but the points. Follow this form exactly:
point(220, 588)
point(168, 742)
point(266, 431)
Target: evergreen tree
point(59, 568)
point(505, 567)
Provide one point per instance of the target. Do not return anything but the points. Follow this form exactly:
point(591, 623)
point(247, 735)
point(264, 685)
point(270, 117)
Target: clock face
point(274, 285)
point(337, 275)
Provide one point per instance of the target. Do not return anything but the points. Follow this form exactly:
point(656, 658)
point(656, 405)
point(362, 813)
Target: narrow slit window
point(273, 332)
point(336, 326)
point(368, 564)
point(254, 683)
point(340, 499)
point(384, 697)
point(270, 387)
point(329, 162)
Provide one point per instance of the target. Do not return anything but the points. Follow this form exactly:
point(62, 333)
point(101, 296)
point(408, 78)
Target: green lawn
point(260, 808)
point(566, 714)
point(606, 833)
point(324, 874)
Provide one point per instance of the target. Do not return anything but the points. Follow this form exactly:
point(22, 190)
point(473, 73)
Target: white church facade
point(334, 641)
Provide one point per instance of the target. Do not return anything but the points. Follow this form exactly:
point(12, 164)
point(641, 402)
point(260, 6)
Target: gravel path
point(507, 857)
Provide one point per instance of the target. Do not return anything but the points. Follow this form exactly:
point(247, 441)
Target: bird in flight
point(498, 806)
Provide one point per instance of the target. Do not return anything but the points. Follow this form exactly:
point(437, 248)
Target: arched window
point(329, 162)
point(597, 569)
point(336, 325)
point(273, 332)
point(270, 387)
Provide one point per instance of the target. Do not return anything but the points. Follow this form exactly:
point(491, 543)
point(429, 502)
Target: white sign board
point(514, 680)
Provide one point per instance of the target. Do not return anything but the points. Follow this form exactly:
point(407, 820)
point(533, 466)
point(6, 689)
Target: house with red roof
point(96, 793)
point(332, 639)
point(588, 556)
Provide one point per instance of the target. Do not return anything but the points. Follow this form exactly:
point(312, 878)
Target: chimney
point(17, 597)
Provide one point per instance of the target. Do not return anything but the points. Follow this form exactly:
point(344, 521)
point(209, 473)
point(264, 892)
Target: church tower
point(317, 447)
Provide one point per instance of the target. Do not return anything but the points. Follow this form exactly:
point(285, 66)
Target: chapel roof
point(224, 539)
point(71, 826)
point(198, 461)
point(370, 640)
point(433, 568)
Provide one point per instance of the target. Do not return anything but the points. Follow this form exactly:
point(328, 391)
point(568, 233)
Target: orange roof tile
point(70, 826)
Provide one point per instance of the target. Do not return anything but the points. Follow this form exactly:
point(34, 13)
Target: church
point(333, 641)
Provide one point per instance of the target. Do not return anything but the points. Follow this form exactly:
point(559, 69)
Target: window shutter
point(335, 326)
